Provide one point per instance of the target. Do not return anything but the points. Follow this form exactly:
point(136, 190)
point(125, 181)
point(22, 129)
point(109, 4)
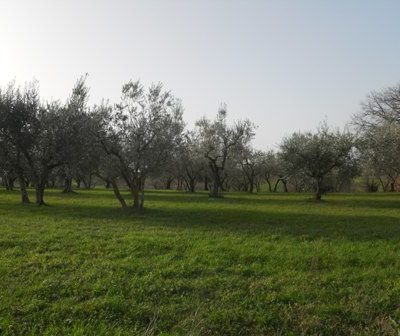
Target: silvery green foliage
point(316, 155)
point(191, 161)
point(381, 148)
point(140, 132)
point(41, 135)
point(80, 158)
point(16, 134)
point(220, 142)
point(253, 165)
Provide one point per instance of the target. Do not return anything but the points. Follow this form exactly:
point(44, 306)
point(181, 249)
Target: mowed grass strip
point(262, 264)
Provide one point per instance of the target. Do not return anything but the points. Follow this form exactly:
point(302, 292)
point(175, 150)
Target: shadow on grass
point(288, 215)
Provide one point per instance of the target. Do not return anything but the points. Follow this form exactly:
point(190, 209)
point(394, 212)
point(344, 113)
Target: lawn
point(262, 264)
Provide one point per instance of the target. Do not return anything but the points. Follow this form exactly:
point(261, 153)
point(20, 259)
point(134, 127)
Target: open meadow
point(262, 264)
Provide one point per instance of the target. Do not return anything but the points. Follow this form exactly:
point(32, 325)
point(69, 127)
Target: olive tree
point(317, 154)
point(191, 162)
point(377, 125)
point(77, 117)
point(53, 146)
point(139, 133)
point(18, 130)
point(380, 152)
point(219, 142)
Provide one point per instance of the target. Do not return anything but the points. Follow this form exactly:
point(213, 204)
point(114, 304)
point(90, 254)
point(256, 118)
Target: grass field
point(243, 265)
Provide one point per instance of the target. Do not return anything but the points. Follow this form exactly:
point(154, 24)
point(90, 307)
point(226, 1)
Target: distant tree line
point(143, 141)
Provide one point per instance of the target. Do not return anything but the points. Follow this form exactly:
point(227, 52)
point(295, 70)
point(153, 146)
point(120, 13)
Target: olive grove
point(143, 142)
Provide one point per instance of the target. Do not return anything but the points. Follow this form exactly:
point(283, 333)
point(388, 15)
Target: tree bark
point(251, 183)
point(269, 185)
point(68, 185)
point(205, 183)
point(10, 183)
point(141, 199)
point(216, 187)
point(318, 193)
point(276, 185)
point(88, 183)
point(135, 187)
point(168, 183)
point(382, 184)
point(179, 183)
point(135, 195)
point(117, 194)
point(285, 188)
point(39, 191)
point(24, 193)
point(192, 186)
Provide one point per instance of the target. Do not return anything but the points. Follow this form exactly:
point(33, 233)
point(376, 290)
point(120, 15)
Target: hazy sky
point(286, 65)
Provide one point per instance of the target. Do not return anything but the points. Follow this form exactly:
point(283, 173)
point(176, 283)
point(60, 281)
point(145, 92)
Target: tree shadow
point(288, 215)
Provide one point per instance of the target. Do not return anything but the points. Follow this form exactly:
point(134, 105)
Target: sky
point(285, 65)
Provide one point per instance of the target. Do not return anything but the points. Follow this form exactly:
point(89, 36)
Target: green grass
point(189, 265)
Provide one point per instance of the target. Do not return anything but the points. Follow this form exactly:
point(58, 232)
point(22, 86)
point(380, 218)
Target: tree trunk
point(24, 193)
point(251, 183)
point(269, 185)
point(192, 185)
point(216, 188)
point(318, 193)
point(285, 188)
point(117, 194)
point(179, 183)
point(78, 183)
point(135, 187)
point(108, 184)
point(276, 185)
point(88, 185)
point(168, 183)
point(135, 195)
point(141, 199)
point(68, 185)
point(10, 183)
point(383, 185)
point(206, 183)
point(39, 189)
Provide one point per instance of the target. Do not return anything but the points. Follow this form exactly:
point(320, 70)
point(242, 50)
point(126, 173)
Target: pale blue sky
point(286, 65)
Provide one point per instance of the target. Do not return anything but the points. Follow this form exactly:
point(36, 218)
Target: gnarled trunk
point(319, 190)
point(179, 183)
point(192, 184)
point(137, 186)
point(88, 183)
point(67, 185)
point(269, 185)
point(24, 192)
point(39, 191)
point(168, 183)
point(206, 183)
point(9, 181)
point(251, 183)
point(117, 194)
point(216, 186)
